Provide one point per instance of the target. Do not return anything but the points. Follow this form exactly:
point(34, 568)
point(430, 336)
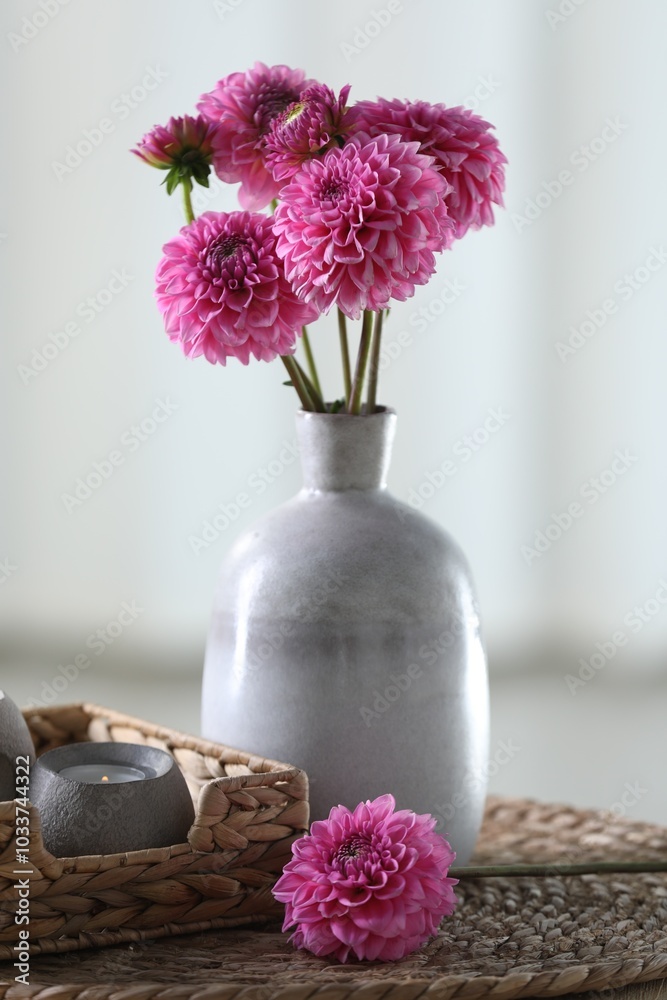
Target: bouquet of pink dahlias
point(361, 197)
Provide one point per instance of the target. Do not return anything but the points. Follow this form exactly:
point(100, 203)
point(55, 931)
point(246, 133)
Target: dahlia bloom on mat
point(370, 884)
point(361, 198)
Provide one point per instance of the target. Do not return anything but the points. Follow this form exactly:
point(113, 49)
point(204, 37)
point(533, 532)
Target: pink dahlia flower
point(369, 884)
point(310, 126)
point(359, 226)
point(463, 148)
point(244, 105)
point(184, 147)
point(223, 293)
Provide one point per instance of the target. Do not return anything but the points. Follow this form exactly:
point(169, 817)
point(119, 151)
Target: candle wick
point(104, 778)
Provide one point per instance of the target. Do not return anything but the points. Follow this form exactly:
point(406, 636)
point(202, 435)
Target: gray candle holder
point(79, 818)
point(15, 743)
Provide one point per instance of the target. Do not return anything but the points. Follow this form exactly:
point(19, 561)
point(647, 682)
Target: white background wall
point(550, 83)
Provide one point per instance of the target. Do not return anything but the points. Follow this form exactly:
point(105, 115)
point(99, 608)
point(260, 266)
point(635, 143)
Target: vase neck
point(342, 452)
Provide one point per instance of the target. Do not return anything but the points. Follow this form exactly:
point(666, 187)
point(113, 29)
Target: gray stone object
point(79, 818)
point(345, 639)
point(15, 741)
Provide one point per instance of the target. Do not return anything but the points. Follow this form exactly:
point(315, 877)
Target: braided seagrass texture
point(248, 812)
point(509, 937)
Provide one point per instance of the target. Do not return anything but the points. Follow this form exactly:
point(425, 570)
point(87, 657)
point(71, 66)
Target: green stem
point(273, 206)
point(552, 869)
point(294, 373)
point(315, 397)
point(345, 354)
point(187, 200)
point(362, 361)
point(311, 362)
point(373, 375)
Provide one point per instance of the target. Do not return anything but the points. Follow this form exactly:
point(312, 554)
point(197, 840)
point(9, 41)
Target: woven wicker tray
point(521, 937)
point(248, 812)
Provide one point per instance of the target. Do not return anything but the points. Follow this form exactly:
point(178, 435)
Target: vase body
point(345, 639)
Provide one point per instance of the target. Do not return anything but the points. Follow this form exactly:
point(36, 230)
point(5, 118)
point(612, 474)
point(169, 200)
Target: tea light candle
point(100, 774)
point(149, 806)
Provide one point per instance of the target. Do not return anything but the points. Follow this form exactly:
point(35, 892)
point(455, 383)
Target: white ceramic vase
point(345, 639)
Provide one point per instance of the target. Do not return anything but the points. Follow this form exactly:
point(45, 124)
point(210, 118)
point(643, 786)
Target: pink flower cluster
point(369, 884)
point(366, 195)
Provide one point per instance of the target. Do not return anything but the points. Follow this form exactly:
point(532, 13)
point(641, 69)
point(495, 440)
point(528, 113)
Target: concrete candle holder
point(96, 814)
point(15, 742)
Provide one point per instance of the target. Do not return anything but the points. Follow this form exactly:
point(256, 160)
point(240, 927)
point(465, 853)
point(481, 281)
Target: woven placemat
point(509, 937)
